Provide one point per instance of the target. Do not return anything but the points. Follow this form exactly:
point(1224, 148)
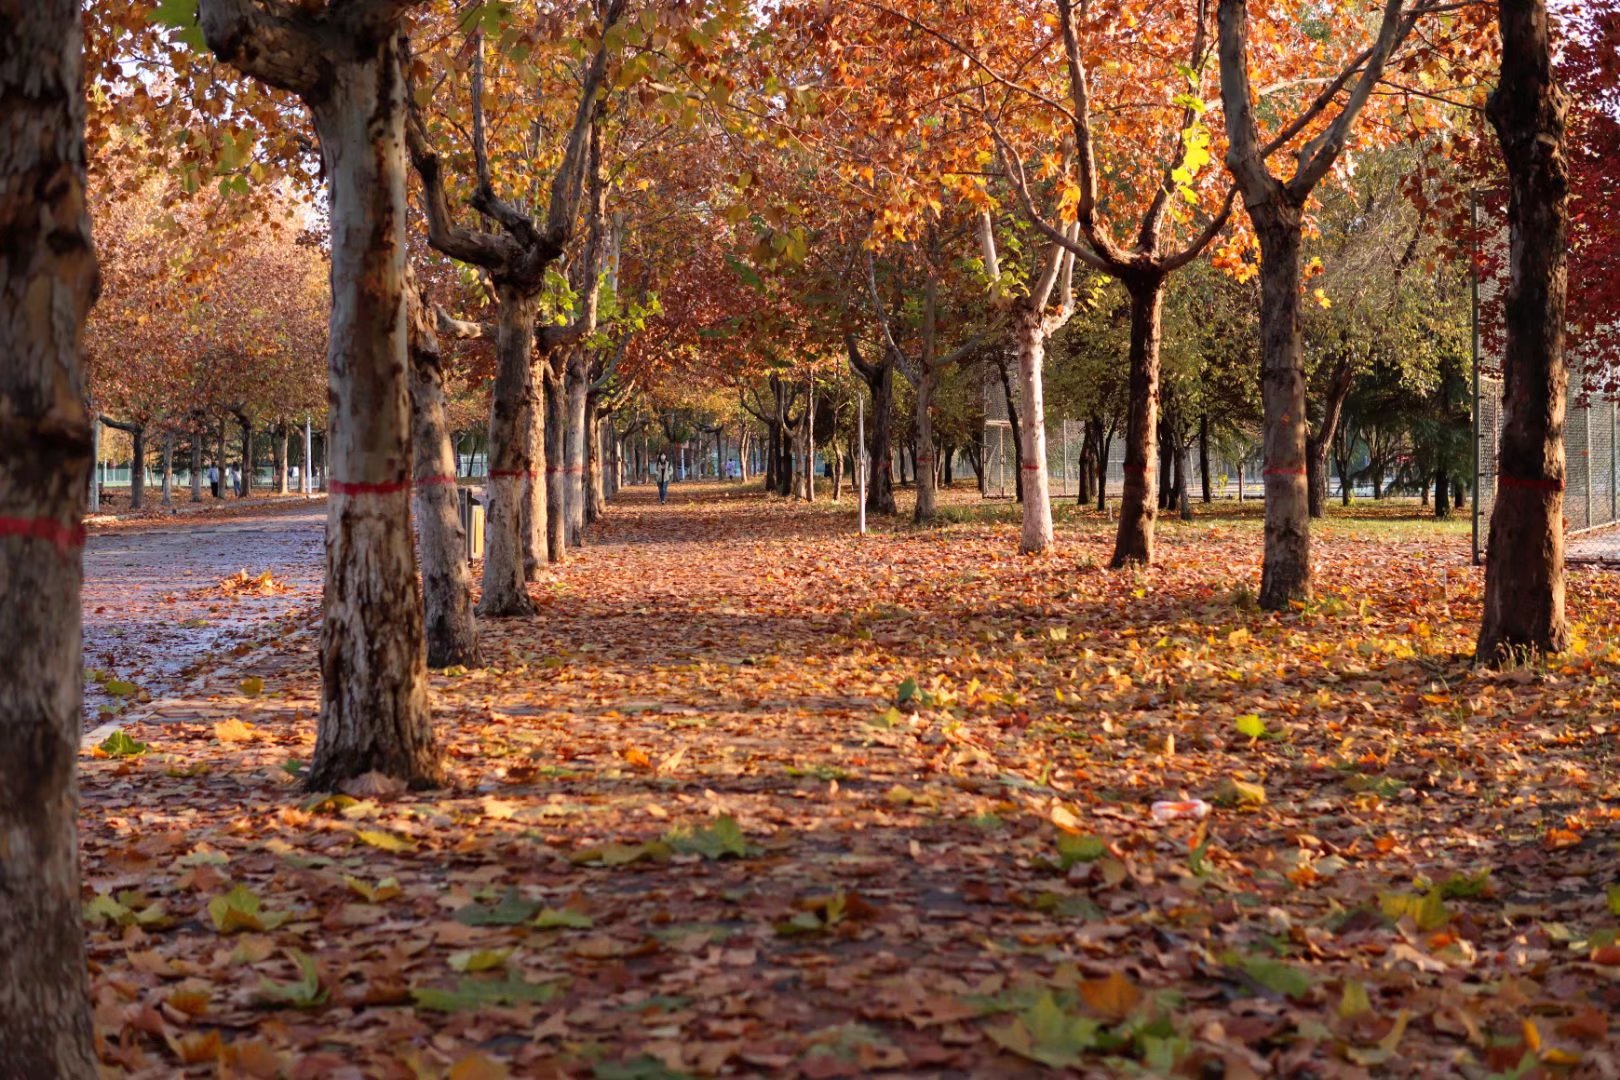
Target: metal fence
point(1591, 455)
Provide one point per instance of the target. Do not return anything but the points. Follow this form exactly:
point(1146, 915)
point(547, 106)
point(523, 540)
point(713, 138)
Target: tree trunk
point(168, 468)
point(578, 389)
point(1286, 575)
point(927, 509)
point(1104, 452)
point(47, 283)
point(1442, 493)
point(278, 457)
point(1524, 564)
point(1203, 456)
point(219, 453)
point(556, 434)
point(1036, 537)
point(595, 489)
point(1085, 470)
point(513, 471)
point(1183, 499)
point(451, 632)
point(879, 480)
point(246, 423)
point(196, 466)
point(1167, 485)
point(374, 708)
point(1316, 445)
point(1134, 541)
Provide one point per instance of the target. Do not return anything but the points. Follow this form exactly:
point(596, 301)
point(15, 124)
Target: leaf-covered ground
point(754, 796)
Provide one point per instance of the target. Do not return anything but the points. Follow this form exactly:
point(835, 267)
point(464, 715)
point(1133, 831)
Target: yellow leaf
point(385, 840)
point(252, 686)
point(234, 731)
point(1114, 996)
point(478, 1067)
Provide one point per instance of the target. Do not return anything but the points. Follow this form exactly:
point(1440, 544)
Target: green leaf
point(906, 692)
point(559, 918)
point(241, 909)
point(1274, 975)
point(472, 961)
point(120, 688)
point(1046, 1034)
point(621, 854)
point(306, 993)
point(645, 1067)
point(512, 910)
point(722, 839)
point(1614, 899)
point(482, 993)
point(1427, 911)
point(1078, 849)
point(120, 745)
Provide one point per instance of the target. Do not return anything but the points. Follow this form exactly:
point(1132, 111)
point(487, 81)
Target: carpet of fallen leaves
point(755, 796)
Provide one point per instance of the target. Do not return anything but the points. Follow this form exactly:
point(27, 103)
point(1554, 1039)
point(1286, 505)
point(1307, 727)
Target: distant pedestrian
point(663, 472)
point(213, 479)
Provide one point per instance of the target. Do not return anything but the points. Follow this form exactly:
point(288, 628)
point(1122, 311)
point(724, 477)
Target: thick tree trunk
point(1286, 575)
point(578, 386)
point(556, 436)
point(374, 707)
point(1442, 492)
point(880, 481)
point(1086, 469)
point(1183, 499)
point(246, 424)
point(1134, 541)
point(1203, 456)
point(927, 509)
point(595, 488)
point(1524, 564)
point(448, 625)
point(196, 467)
point(1167, 484)
point(282, 460)
point(219, 456)
point(512, 472)
point(1104, 452)
point(168, 468)
point(47, 283)
point(1036, 537)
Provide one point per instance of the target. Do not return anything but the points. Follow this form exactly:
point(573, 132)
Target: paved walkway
point(156, 606)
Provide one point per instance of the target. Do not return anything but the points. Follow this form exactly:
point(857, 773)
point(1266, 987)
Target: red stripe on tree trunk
point(344, 487)
point(64, 537)
point(1530, 483)
point(513, 474)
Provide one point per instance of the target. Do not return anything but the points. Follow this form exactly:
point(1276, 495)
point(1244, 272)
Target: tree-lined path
point(823, 805)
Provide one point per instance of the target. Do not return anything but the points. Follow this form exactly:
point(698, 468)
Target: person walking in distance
point(663, 472)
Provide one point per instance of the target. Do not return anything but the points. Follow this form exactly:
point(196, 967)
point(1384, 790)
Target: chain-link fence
point(1591, 455)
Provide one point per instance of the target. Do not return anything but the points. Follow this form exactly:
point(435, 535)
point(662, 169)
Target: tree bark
point(1133, 543)
point(927, 508)
point(1104, 452)
point(578, 388)
point(1317, 443)
point(448, 624)
point(168, 468)
point(1203, 457)
point(48, 281)
point(1286, 575)
point(1036, 535)
point(513, 472)
point(196, 466)
point(1524, 564)
point(556, 443)
point(246, 423)
point(374, 708)
point(880, 481)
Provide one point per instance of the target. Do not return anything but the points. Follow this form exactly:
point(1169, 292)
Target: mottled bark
point(578, 389)
point(47, 284)
point(374, 705)
point(1133, 541)
point(879, 379)
point(1286, 575)
point(1036, 535)
point(281, 461)
point(450, 631)
point(168, 468)
point(1524, 564)
point(512, 469)
point(196, 467)
point(556, 444)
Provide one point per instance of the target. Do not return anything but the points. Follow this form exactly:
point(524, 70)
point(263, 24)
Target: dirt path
point(752, 796)
point(155, 608)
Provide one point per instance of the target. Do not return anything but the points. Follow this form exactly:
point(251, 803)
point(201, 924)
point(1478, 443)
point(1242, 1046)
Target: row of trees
point(880, 166)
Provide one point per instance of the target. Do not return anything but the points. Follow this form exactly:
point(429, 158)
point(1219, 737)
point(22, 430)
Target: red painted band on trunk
point(1530, 483)
point(436, 481)
point(513, 474)
point(1032, 468)
point(65, 538)
point(1285, 472)
point(343, 487)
